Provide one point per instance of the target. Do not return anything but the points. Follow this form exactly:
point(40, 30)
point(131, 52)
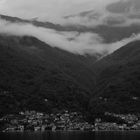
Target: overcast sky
point(49, 9)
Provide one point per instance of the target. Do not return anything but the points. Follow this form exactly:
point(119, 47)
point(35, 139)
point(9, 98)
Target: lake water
point(71, 136)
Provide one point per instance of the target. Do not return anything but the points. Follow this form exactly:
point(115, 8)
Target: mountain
point(34, 22)
point(34, 75)
point(110, 34)
point(117, 82)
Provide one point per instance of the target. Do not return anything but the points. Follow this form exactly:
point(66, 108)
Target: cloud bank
point(76, 12)
point(115, 13)
point(49, 10)
point(74, 42)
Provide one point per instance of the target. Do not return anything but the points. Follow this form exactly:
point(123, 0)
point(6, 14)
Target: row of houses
point(65, 121)
point(35, 121)
point(121, 122)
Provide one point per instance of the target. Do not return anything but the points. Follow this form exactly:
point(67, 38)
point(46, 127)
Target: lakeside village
point(66, 121)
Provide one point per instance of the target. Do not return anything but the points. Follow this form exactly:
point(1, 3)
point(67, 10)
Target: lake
point(71, 136)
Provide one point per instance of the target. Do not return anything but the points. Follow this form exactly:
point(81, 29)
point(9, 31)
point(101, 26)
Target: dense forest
point(35, 76)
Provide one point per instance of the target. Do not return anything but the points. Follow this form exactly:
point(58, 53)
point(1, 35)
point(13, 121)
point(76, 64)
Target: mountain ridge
point(32, 71)
point(117, 81)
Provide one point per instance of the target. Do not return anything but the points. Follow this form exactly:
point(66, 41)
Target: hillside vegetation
point(34, 75)
point(117, 86)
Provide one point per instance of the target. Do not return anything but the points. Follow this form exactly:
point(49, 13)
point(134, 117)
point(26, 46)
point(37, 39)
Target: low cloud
point(74, 42)
point(128, 10)
point(49, 10)
point(124, 12)
point(116, 13)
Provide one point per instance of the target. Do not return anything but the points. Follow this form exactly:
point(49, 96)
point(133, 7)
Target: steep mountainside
point(118, 82)
point(34, 75)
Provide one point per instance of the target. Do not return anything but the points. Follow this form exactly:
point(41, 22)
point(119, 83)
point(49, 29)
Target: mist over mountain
point(32, 71)
point(98, 41)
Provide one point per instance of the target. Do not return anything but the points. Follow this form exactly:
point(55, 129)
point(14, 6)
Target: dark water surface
point(71, 136)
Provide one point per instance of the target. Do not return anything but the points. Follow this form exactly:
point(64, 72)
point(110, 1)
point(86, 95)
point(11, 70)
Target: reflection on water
point(71, 136)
